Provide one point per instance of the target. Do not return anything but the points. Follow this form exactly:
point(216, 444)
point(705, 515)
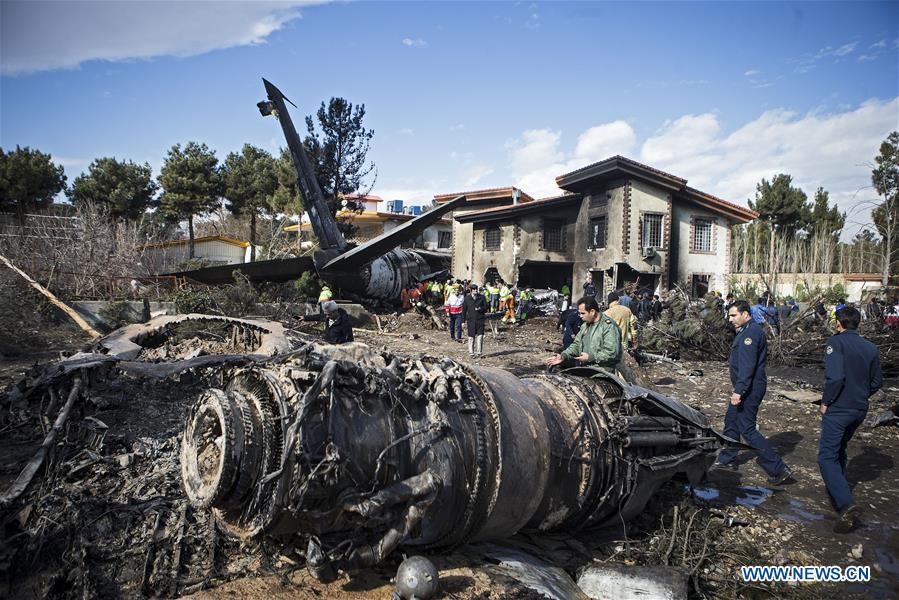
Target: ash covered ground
point(106, 515)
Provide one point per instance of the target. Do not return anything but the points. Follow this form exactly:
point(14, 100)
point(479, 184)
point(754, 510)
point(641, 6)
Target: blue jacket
point(851, 370)
point(624, 300)
point(759, 313)
point(748, 354)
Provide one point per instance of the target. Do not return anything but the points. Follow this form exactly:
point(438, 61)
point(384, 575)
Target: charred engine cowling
point(360, 453)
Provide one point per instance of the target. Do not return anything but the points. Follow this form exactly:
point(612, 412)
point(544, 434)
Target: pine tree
point(126, 189)
point(250, 181)
point(338, 153)
point(29, 180)
point(191, 184)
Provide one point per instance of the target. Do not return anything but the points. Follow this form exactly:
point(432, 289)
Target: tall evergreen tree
point(783, 207)
point(824, 219)
point(29, 180)
point(885, 178)
point(338, 152)
point(250, 180)
point(191, 184)
point(125, 188)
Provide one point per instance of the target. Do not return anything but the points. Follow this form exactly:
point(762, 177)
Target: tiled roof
point(748, 211)
point(529, 206)
point(678, 183)
point(625, 160)
point(503, 191)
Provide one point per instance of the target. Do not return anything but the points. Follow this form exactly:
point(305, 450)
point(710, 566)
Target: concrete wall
point(463, 235)
point(217, 252)
point(92, 310)
point(858, 288)
point(599, 258)
point(688, 262)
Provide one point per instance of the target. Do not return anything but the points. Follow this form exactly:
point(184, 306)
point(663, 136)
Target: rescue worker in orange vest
point(506, 303)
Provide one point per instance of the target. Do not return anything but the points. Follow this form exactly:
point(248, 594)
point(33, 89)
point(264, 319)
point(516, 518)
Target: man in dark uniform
point(852, 374)
point(748, 355)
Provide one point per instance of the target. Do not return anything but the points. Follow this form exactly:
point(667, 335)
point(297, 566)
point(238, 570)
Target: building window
point(652, 230)
point(598, 232)
point(702, 235)
point(444, 239)
point(492, 238)
point(552, 235)
point(699, 285)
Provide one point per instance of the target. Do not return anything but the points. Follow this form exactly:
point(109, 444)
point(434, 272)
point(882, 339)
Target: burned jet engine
point(359, 452)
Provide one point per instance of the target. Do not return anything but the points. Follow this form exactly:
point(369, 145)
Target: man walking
point(748, 355)
point(597, 342)
point(852, 374)
point(474, 307)
point(453, 308)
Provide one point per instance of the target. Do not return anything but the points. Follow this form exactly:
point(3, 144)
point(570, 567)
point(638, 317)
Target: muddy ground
point(114, 522)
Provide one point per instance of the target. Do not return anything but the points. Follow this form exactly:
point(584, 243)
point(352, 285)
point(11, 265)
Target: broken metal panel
point(359, 453)
point(389, 240)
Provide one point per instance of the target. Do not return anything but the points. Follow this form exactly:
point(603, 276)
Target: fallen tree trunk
point(56, 301)
point(27, 474)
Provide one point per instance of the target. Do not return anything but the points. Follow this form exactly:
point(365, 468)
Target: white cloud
point(536, 158)
point(817, 149)
point(828, 149)
point(752, 72)
point(457, 127)
point(416, 43)
point(37, 36)
point(880, 44)
point(406, 131)
point(604, 141)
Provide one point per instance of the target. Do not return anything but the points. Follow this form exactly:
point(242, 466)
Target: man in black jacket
point(474, 307)
point(338, 329)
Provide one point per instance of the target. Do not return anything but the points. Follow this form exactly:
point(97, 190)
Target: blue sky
point(471, 95)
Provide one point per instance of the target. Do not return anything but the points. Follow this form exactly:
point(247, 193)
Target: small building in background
point(374, 216)
point(212, 250)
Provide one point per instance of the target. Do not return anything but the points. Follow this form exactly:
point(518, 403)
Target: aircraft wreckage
point(379, 268)
point(359, 452)
point(354, 453)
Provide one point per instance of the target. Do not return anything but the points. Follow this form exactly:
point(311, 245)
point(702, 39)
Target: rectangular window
point(598, 232)
point(652, 230)
point(492, 238)
point(552, 234)
point(700, 285)
point(702, 235)
point(444, 239)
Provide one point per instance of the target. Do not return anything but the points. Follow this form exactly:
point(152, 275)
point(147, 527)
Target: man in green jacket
point(598, 342)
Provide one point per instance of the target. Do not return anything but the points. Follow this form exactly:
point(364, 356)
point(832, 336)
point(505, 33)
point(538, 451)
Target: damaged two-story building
point(623, 222)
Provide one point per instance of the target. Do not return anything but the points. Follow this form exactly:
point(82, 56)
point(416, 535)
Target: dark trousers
point(740, 422)
point(837, 427)
point(455, 326)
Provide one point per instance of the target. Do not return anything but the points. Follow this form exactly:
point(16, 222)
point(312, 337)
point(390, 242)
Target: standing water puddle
point(749, 496)
point(798, 514)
